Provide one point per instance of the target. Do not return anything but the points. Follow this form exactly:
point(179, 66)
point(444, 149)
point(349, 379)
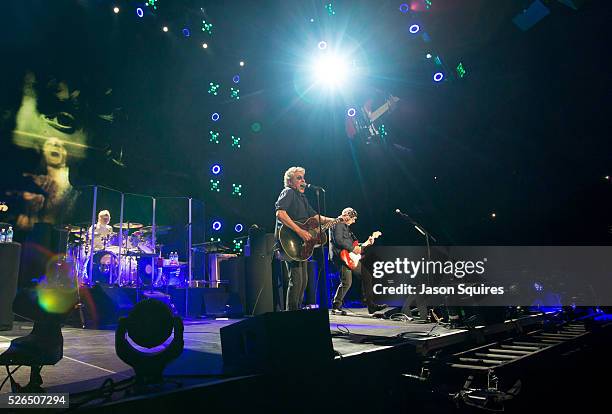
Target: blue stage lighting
point(216, 225)
point(438, 76)
point(238, 228)
point(351, 112)
point(215, 116)
point(414, 28)
point(186, 32)
point(322, 44)
point(404, 8)
point(215, 169)
point(330, 70)
point(236, 79)
point(139, 12)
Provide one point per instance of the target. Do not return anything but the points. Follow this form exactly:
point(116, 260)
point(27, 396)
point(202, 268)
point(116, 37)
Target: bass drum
point(104, 268)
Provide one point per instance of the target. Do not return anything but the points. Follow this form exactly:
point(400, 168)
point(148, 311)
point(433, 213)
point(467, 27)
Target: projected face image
point(54, 153)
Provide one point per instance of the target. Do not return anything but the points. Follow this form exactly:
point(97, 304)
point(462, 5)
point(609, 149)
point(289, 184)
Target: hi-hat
point(128, 225)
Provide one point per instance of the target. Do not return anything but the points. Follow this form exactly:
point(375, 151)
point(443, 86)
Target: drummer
point(103, 230)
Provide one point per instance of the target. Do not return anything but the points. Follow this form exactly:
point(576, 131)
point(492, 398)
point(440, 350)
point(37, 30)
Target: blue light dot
point(238, 228)
point(216, 226)
point(351, 112)
point(215, 117)
point(139, 12)
point(438, 76)
point(216, 169)
point(414, 28)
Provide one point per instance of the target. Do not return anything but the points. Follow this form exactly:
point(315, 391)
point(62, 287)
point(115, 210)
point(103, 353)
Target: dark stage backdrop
point(89, 96)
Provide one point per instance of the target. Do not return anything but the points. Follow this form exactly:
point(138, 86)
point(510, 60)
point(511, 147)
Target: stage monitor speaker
point(278, 342)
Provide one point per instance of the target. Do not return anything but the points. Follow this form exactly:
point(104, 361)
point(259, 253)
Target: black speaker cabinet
point(277, 342)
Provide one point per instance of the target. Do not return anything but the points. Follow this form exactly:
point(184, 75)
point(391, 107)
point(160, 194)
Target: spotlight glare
point(414, 28)
point(215, 117)
point(139, 12)
point(165, 28)
point(216, 225)
point(438, 76)
point(330, 70)
point(205, 45)
point(351, 112)
point(116, 9)
point(322, 44)
point(215, 169)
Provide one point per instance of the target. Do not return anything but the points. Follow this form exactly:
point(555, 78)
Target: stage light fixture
point(414, 28)
point(351, 112)
point(237, 190)
point(404, 8)
point(139, 12)
point(322, 44)
point(216, 225)
point(311, 20)
point(151, 3)
point(116, 9)
point(186, 32)
point(215, 169)
point(438, 76)
point(165, 29)
point(256, 127)
point(214, 136)
point(428, 56)
point(242, 63)
point(235, 142)
point(215, 116)
point(236, 79)
point(207, 27)
point(205, 45)
point(238, 228)
point(215, 185)
point(213, 89)
point(235, 94)
point(493, 215)
point(148, 339)
point(330, 9)
point(461, 72)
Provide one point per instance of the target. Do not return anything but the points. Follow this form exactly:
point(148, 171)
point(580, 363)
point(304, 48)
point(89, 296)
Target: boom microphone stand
point(322, 282)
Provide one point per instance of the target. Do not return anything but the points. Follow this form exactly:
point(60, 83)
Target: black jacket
point(342, 238)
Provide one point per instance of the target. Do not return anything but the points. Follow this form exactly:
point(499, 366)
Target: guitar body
point(350, 259)
point(293, 245)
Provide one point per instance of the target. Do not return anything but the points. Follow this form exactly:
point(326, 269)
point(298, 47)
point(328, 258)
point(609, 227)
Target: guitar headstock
point(3, 207)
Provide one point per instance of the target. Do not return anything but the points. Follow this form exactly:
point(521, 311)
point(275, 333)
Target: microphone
point(315, 187)
point(398, 211)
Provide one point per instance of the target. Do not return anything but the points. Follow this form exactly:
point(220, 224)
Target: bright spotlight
point(330, 70)
point(438, 76)
point(165, 28)
point(351, 112)
point(322, 44)
point(414, 28)
point(139, 12)
point(215, 117)
point(242, 63)
point(205, 45)
point(215, 169)
point(216, 225)
point(116, 9)
point(428, 56)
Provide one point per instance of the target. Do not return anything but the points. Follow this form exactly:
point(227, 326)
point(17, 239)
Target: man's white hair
point(290, 173)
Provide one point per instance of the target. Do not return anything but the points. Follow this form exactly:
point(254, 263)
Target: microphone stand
point(421, 305)
point(322, 279)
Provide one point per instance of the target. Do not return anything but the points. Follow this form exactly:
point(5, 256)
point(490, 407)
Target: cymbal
point(128, 225)
point(70, 228)
point(158, 229)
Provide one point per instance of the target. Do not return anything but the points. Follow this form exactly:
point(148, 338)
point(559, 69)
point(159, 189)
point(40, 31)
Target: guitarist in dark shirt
point(343, 239)
point(292, 205)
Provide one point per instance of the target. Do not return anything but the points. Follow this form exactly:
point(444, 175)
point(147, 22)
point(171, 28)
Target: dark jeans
point(346, 279)
point(297, 273)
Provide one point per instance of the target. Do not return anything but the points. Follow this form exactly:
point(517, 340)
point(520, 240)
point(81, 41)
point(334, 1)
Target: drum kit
point(117, 251)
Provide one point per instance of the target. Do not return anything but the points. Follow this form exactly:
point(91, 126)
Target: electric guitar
point(295, 247)
point(350, 259)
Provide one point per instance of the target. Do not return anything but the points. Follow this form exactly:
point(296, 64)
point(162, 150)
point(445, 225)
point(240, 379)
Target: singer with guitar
point(292, 206)
point(347, 255)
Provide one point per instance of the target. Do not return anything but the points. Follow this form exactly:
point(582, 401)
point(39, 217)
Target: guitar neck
point(330, 224)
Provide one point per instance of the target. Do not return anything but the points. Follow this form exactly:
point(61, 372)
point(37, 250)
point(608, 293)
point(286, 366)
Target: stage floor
point(90, 358)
